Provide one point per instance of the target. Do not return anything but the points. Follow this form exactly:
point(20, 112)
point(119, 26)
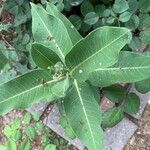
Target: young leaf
point(31, 88)
point(133, 6)
point(36, 116)
point(27, 118)
point(99, 49)
point(73, 33)
point(145, 36)
point(137, 68)
point(131, 104)
point(3, 147)
point(86, 7)
point(111, 117)
point(50, 147)
point(15, 124)
point(25, 145)
point(124, 17)
point(7, 131)
point(16, 135)
point(31, 132)
point(120, 6)
point(43, 56)
point(135, 43)
point(144, 21)
point(50, 31)
point(114, 93)
point(11, 145)
point(133, 23)
point(144, 6)
point(91, 18)
point(84, 115)
point(39, 126)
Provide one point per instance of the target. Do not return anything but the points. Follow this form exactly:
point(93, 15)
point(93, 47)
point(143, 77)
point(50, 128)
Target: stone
point(53, 123)
point(117, 137)
point(37, 108)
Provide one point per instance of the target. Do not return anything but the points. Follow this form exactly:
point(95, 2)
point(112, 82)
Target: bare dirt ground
point(141, 138)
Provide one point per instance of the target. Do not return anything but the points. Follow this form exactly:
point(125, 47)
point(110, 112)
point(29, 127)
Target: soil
point(141, 138)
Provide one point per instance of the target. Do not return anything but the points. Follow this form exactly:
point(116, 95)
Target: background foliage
point(85, 15)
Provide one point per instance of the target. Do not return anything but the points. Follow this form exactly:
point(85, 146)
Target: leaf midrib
point(57, 46)
point(120, 68)
point(26, 91)
point(45, 56)
point(84, 110)
point(97, 52)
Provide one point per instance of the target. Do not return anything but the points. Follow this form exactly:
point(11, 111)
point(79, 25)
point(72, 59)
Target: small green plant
point(70, 71)
point(29, 133)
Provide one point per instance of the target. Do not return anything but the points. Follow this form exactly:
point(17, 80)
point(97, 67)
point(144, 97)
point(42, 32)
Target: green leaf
point(27, 118)
point(73, 33)
point(135, 44)
point(43, 56)
point(99, 9)
point(25, 145)
point(36, 116)
point(86, 7)
point(39, 126)
point(110, 20)
point(120, 6)
point(84, 115)
point(106, 12)
point(137, 68)
point(76, 21)
point(144, 21)
point(124, 17)
point(50, 147)
point(133, 6)
point(31, 132)
point(144, 6)
point(112, 117)
point(91, 18)
point(7, 131)
point(50, 31)
point(131, 104)
point(25, 39)
point(11, 145)
point(99, 49)
point(3, 147)
point(15, 124)
point(143, 86)
point(145, 36)
point(3, 60)
point(31, 88)
point(114, 93)
point(17, 135)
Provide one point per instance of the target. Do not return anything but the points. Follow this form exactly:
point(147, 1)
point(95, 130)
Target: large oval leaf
point(143, 86)
point(111, 117)
point(131, 67)
point(98, 50)
point(73, 33)
point(131, 103)
point(50, 31)
point(84, 115)
point(43, 56)
point(30, 88)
